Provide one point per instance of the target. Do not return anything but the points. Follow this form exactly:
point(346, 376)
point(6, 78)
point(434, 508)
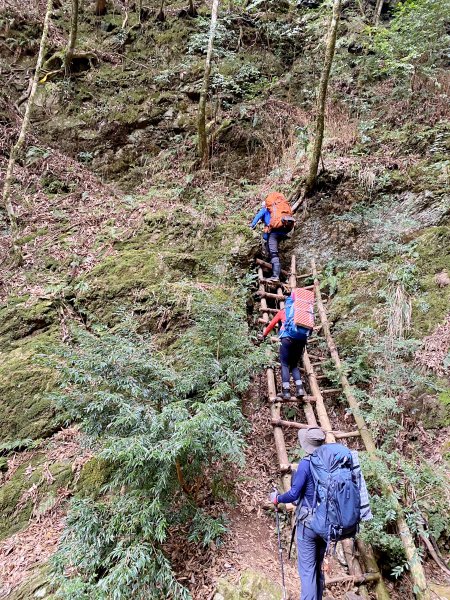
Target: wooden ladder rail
point(347, 545)
point(275, 408)
point(356, 573)
point(421, 591)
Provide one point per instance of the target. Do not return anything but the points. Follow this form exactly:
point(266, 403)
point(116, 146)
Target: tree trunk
point(16, 150)
point(202, 137)
point(421, 591)
point(322, 97)
point(72, 37)
point(100, 8)
point(192, 11)
point(161, 17)
point(378, 9)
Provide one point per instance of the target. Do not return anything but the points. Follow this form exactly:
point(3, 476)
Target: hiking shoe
point(274, 278)
point(300, 391)
point(286, 394)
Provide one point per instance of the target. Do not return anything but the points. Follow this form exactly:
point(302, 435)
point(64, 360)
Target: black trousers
point(291, 352)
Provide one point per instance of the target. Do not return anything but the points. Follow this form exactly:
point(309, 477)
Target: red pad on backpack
point(304, 308)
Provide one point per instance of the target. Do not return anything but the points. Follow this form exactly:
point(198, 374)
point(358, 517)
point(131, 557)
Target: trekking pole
point(280, 553)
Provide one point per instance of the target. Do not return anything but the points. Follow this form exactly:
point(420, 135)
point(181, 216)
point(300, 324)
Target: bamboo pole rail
point(417, 573)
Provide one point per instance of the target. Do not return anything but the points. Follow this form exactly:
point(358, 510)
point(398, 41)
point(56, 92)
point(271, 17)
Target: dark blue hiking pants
point(290, 355)
point(311, 550)
point(273, 238)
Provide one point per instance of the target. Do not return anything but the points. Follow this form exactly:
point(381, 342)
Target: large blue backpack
point(336, 510)
point(297, 332)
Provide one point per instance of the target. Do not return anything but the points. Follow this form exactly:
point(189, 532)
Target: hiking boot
point(274, 278)
point(300, 391)
point(285, 394)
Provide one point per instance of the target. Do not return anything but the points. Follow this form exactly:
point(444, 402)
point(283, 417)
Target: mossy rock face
point(23, 317)
point(168, 252)
point(355, 305)
point(29, 474)
point(431, 304)
point(94, 475)
point(25, 409)
point(37, 586)
point(251, 586)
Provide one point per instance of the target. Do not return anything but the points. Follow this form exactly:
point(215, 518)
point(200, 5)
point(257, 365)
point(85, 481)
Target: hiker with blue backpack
point(293, 340)
point(276, 214)
point(331, 499)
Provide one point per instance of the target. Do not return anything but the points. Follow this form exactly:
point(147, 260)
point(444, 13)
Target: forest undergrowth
point(129, 321)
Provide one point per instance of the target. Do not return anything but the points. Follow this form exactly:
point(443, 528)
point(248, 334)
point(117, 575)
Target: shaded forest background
point(129, 378)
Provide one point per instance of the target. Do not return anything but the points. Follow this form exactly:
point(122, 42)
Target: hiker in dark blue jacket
point(272, 239)
point(310, 546)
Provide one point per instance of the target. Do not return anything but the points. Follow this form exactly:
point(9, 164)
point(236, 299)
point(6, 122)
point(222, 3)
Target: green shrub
point(161, 422)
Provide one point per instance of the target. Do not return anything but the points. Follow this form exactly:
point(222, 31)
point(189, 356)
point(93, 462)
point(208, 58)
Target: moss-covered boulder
point(94, 475)
point(431, 305)
point(37, 586)
point(252, 585)
point(31, 488)
point(25, 409)
point(23, 317)
point(162, 263)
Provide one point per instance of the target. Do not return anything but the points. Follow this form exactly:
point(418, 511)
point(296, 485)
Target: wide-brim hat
point(312, 438)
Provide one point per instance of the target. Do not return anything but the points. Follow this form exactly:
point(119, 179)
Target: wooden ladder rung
point(337, 434)
point(267, 265)
point(293, 399)
point(270, 295)
point(271, 310)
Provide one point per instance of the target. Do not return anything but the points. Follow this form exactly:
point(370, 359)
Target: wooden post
point(417, 573)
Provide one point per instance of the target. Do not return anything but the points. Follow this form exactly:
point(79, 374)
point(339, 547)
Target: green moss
point(27, 475)
point(161, 263)
point(23, 317)
point(93, 477)
point(37, 585)
point(431, 305)
point(25, 410)
point(252, 585)
point(354, 306)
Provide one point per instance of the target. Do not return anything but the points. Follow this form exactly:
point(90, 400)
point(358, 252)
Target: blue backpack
point(336, 510)
point(297, 332)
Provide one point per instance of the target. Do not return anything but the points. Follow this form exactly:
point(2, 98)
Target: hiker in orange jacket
point(291, 351)
point(276, 214)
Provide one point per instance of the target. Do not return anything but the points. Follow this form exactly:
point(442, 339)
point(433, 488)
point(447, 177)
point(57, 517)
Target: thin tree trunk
point(100, 8)
point(161, 16)
point(18, 146)
point(421, 591)
point(72, 37)
point(125, 19)
point(202, 137)
point(378, 9)
point(322, 98)
point(192, 11)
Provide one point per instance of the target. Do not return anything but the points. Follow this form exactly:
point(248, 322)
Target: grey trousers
point(272, 249)
point(310, 550)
